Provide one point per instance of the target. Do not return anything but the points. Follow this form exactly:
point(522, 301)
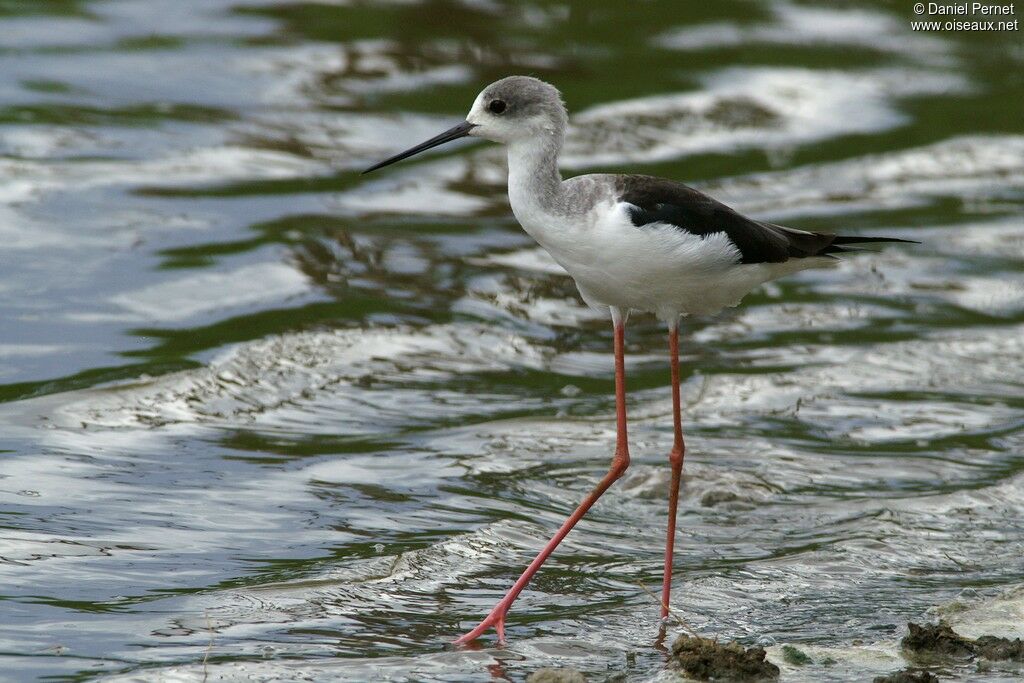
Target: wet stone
point(549, 675)
point(937, 640)
point(908, 676)
point(706, 659)
point(940, 640)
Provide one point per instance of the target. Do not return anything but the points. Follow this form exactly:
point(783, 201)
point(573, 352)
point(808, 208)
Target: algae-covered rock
point(706, 659)
point(794, 656)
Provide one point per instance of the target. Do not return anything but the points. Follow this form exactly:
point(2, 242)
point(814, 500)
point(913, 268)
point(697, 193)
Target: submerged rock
point(908, 676)
point(941, 641)
point(550, 675)
point(706, 659)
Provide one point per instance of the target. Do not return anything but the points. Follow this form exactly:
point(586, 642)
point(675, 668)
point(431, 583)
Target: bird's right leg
point(620, 462)
point(675, 459)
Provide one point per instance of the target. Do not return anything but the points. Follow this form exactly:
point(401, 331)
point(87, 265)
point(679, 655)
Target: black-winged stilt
point(630, 242)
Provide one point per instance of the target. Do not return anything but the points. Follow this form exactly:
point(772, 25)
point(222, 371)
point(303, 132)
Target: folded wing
point(654, 200)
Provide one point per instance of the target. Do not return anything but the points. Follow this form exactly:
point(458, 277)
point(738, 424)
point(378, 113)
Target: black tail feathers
point(856, 239)
point(839, 243)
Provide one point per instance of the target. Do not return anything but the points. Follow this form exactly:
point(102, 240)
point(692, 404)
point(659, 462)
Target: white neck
point(534, 183)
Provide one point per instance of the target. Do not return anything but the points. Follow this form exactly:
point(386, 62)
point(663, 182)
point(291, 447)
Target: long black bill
point(459, 131)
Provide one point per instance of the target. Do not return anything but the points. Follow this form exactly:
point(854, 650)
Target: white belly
point(657, 268)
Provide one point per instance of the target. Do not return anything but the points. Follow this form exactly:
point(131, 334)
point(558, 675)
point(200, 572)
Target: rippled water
point(263, 417)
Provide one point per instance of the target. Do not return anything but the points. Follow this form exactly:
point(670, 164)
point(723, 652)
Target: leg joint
point(620, 463)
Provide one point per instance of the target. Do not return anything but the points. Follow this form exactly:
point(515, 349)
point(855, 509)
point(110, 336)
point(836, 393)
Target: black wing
point(657, 200)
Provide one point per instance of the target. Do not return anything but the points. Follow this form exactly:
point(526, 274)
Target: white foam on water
point(43, 141)
point(342, 75)
point(974, 616)
point(23, 350)
point(494, 297)
point(200, 165)
point(413, 191)
point(534, 259)
point(816, 26)
point(343, 139)
point(27, 183)
point(35, 32)
point(204, 292)
point(411, 198)
point(276, 373)
point(11, 355)
point(974, 166)
point(749, 107)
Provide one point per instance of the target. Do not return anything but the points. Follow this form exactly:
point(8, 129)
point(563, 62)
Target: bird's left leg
point(620, 461)
point(675, 459)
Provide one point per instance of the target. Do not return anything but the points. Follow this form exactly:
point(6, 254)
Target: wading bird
point(631, 242)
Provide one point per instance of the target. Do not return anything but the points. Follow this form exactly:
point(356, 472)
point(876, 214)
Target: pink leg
point(620, 462)
point(675, 458)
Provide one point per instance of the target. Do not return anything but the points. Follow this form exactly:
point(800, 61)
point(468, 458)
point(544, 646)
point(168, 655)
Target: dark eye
point(496, 106)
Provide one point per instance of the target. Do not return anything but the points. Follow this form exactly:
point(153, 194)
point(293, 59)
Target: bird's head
point(517, 108)
point(514, 109)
